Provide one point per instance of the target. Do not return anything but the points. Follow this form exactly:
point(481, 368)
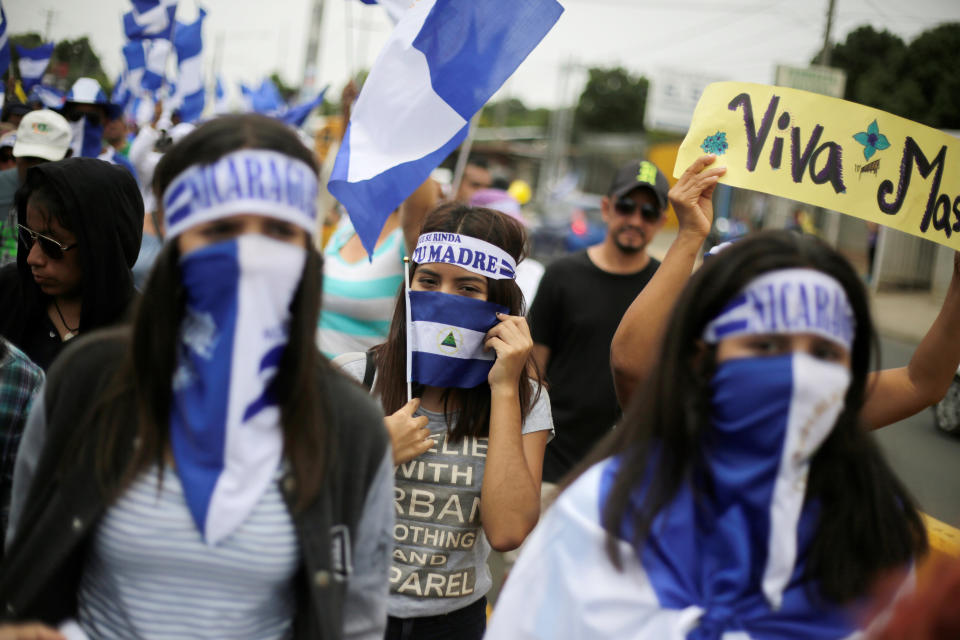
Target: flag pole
point(406, 285)
point(464, 154)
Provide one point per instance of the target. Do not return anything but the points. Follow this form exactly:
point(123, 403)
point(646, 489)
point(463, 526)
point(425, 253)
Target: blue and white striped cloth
point(33, 62)
point(150, 19)
point(150, 574)
point(4, 46)
point(445, 339)
point(188, 100)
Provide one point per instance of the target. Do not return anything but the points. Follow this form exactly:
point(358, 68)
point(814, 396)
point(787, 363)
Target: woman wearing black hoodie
point(81, 221)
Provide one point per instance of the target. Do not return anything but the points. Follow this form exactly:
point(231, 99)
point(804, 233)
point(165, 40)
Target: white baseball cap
point(43, 134)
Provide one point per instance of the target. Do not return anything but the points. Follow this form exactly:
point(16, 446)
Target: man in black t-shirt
point(578, 306)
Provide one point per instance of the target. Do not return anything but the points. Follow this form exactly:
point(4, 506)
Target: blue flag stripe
point(467, 313)
point(440, 371)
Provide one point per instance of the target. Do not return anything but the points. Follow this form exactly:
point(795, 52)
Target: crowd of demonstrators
point(44, 136)
point(194, 465)
point(205, 473)
point(80, 222)
point(469, 445)
point(579, 303)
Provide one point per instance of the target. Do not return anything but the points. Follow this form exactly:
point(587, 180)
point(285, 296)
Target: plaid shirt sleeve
point(20, 382)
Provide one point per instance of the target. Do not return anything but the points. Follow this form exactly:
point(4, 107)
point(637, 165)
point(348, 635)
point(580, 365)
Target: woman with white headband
point(206, 473)
point(469, 445)
point(740, 496)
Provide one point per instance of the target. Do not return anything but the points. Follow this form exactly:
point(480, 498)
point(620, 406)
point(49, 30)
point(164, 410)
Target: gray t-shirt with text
point(440, 553)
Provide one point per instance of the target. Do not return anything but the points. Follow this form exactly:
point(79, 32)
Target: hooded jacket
point(104, 209)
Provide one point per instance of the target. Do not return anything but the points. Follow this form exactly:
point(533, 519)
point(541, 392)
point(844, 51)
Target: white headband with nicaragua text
point(254, 181)
point(787, 301)
point(471, 253)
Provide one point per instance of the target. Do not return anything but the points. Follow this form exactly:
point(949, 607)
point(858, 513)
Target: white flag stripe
point(33, 68)
point(377, 143)
point(427, 337)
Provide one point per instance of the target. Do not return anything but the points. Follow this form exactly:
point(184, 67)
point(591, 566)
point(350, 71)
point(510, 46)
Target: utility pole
point(46, 29)
point(825, 52)
point(311, 63)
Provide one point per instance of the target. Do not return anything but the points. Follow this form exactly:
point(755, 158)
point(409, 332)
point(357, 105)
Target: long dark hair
point(867, 523)
point(467, 410)
point(143, 382)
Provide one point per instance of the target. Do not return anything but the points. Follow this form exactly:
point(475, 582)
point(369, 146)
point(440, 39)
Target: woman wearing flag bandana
point(206, 473)
point(740, 496)
point(469, 444)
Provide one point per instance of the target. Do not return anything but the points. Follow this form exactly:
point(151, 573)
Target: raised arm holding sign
point(892, 394)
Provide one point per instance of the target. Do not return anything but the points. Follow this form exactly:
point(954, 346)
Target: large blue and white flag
point(443, 61)
point(32, 64)
point(296, 115)
point(156, 54)
point(150, 19)
point(4, 43)
point(445, 339)
point(188, 100)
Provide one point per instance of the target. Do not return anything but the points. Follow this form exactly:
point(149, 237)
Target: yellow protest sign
point(831, 153)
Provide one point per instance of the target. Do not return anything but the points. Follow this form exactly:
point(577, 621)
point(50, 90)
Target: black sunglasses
point(52, 248)
point(74, 116)
point(628, 207)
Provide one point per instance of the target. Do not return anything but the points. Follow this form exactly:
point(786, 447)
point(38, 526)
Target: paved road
point(927, 461)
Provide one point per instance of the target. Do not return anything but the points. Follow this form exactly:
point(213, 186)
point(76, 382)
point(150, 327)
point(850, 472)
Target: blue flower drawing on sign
point(717, 143)
point(872, 140)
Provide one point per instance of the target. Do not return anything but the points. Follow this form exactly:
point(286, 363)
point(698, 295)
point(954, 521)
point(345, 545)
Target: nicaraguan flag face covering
point(87, 140)
point(445, 339)
point(225, 423)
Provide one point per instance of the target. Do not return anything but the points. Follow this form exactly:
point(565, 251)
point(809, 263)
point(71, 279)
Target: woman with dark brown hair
point(206, 473)
point(470, 442)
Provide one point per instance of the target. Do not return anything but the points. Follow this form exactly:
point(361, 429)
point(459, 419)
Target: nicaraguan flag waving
point(150, 19)
point(445, 339)
point(32, 64)
point(443, 61)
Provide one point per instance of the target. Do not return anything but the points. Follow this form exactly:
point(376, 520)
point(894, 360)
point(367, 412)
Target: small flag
point(32, 64)
point(295, 116)
point(443, 61)
point(150, 19)
point(445, 339)
point(188, 100)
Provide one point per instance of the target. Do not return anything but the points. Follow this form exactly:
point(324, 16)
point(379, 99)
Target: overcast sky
point(728, 39)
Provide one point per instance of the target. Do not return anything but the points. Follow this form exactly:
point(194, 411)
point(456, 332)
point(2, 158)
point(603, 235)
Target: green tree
point(919, 81)
point(287, 92)
point(513, 113)
point(613, 100)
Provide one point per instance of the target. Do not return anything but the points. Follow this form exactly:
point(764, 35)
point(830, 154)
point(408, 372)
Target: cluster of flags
point(31, 66)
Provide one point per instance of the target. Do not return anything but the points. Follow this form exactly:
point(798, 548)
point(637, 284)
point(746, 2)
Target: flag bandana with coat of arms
point(445, 339)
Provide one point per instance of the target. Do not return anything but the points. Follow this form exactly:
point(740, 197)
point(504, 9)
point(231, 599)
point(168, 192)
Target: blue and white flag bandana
point(445, 339)
point(473, 254)
point(787, 301)
point(225, 423)
point(245, 181)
